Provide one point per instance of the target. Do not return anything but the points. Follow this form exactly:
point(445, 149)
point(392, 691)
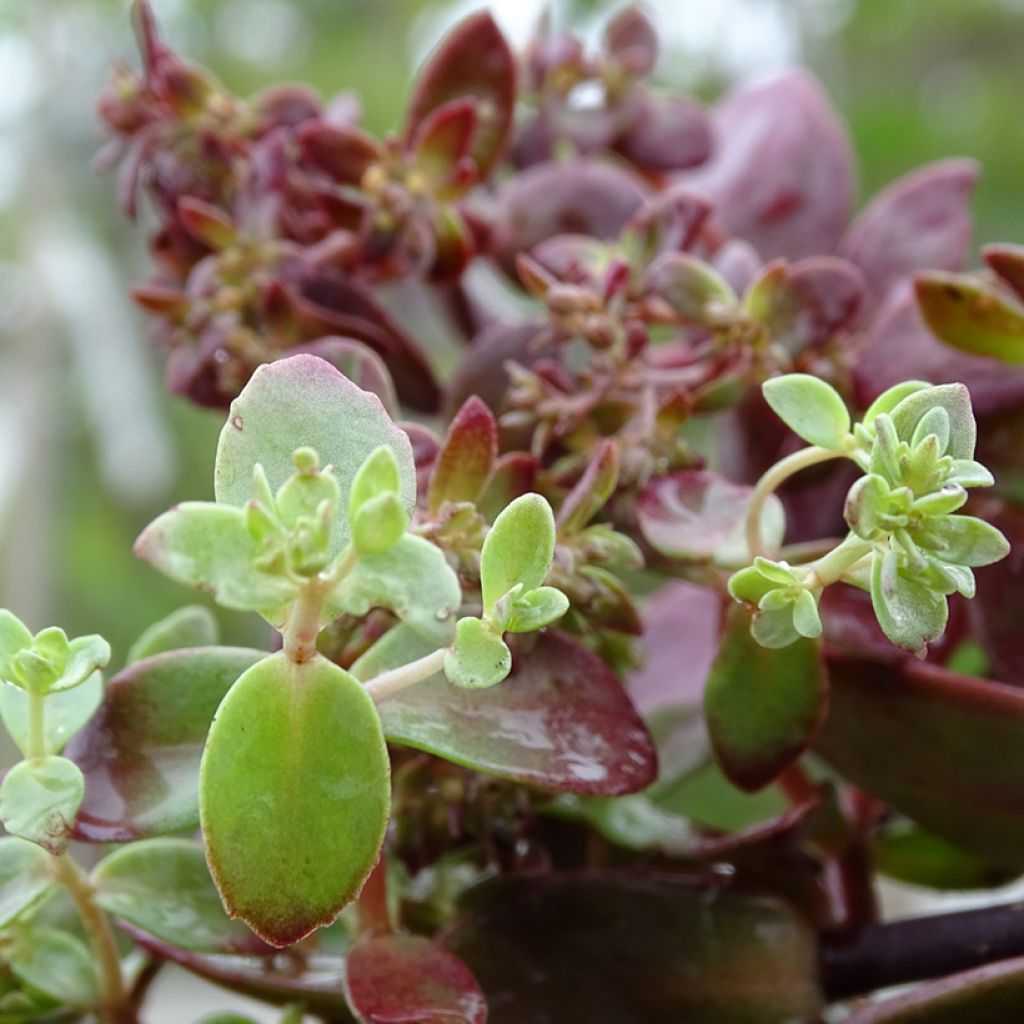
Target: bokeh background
point(90, 446)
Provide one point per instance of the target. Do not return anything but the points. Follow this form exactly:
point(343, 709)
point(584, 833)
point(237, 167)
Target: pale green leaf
point(24, 877)
point(536, 609)
point(962, 540)
point(378, 523)
point(911, 614)
point(480, 658)
point(518, 548)
point(66, 713)
point(85, 655)
point(810, 407)
point(376, 476)
point(890, 398)
point(39, 800)
point(54, 963)
point(955, 399)
point(191, 626)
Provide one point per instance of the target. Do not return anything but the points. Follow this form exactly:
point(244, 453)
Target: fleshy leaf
point(24, 877)
point(536, 609)
point(612, 949)
point(140, 753)
point(919, 222)
point(304, 402)
point(479, 658)
point(413, 579)
point(164, 887)
point(1008, 262)
point(517, 549)
point(359, 363)
point(591, 491)
point(956, 400)
point(466, 458)
point(810, 407)
point(14, 634)
point(473, 62)
point(911, 614)
point(55, 963)
point(585, 735)
point(379, 524)
point(972, 315)
point(293, 794)
point(191, 626)
point(694, 515)
point(66, 713)
point(692, 288)
point(409, 978)
point(763, 706)
point(39, 800)
point(209, 547)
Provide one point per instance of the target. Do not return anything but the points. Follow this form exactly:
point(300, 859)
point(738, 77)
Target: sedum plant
point(608, 687)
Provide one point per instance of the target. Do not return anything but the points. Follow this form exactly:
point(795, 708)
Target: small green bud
point(377, 475)
point(306, 460)
point(379, 523)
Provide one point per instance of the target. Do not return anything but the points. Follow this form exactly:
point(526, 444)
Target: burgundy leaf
point(666, 133)
point(443, 141)
point(898, 346)
point(782, 173)
point(581, 197)
point(466, 457)
point(668, 223)
point(561, 721)
point(407, 979)
point(473, 62)
point(1008, 262)
point(343, 152)
point(515, 474)
point(920, 222)
point(632, 40)
point(592, 489)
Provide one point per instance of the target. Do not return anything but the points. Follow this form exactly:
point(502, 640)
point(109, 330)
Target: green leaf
point(294, 795)
point(54, 963)
point(536, 609)
point(955, 399)
point(14, 636)
point(304, 402)
point(962, 540)
point(163, 886)
point(972, 315)
point(66, 713)
point(378, 475)
point(518, 548)
point(811, 408)
point(910, 613)
point(413, 579)
point(191, 626)
point(891, 397)
point(24, 877)
point(378, 524)
point(763, 706)
point(39, 800)
point(85, 655)
point(209, 547)
point(773, 626)
point(480, 658)
point(692, 288)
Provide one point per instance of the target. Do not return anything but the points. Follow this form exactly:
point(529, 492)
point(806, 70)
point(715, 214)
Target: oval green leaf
point(39, 800)
point(810, 407)
point(294, 795)
point(24, 877)
point(191, 626)
point(518, 548)
point(67, 711)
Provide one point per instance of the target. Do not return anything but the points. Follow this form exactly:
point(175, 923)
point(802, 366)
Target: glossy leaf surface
point(763, 706)
point(407, 978)
point(164, 887)
point(561, 720)
point(140, 754)
point(629, 950)
point(39, 799)
point(294, 795)
point(950, 743)
point(300, 402)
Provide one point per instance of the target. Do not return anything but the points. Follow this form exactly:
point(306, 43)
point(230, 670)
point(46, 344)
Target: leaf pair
point(514, 562)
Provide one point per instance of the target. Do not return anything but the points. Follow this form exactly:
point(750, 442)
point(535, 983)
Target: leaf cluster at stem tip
point(907, 545)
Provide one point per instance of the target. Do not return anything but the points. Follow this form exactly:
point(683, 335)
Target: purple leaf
point(140, 753)
point(951, 746)
point(920, 222)
point(632, 41)
point(407, 979)
point(782, 173)
point(668, 223)
point(561, 720)
point(473, 62)
point(666, 133)
point(898, 346)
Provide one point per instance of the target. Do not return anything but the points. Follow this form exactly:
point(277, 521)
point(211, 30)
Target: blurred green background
point(91, 448)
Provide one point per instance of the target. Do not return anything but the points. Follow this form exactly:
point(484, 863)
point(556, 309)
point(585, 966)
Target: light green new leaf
point(208, 547)
point(39, 800)
point(54, 963)
point(955, 399)
point(378, 524)
point(85, 655)
point(294, 795)
point(413, 579)
point(536, 609)
point(164, 887)
point(962, 540)
point(191, 626)
point(24, 877)
point(303, 401)
point(811, 408)
point(66, 713)
point(14, 636)
point(910, 613)
point(518, 548)
point(376, 476)
point(891, 397)
point(480, 658)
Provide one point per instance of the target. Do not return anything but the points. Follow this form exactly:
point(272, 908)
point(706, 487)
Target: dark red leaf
point(668, 223)
point(782, 173)
point(407, 979)
point(1008, 262)
point(515, 473)
point(343, 152)
point(442, 141)
point(466, 457)
point(920, 222)
point(474, 63)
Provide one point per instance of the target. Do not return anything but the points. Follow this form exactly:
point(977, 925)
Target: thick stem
point(115, 1006)
point(771, 482)
point(388, 683)
point(830, 568)
point(299, 641)
point(920, 948)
